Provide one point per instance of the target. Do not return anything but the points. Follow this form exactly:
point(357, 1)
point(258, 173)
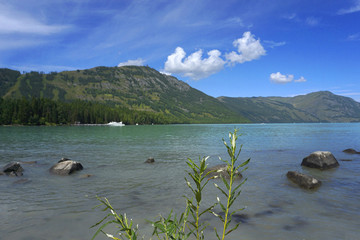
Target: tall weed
point(189, 222)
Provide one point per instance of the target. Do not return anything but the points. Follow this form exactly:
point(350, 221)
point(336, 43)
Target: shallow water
point(53, 207)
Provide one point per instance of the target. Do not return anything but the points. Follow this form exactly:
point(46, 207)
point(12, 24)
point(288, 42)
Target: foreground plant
point(200, 178)
point(230, 190)
point(174, 228)
point(126, 230)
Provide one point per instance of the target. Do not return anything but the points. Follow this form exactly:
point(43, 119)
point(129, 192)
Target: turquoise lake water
point(45, 206)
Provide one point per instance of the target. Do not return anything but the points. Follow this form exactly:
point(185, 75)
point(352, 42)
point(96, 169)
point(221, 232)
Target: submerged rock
point(86, 176)
point(13, 169)
point(303, 180)
point(241, 218)
point(264, 213)
point(22, 181)
point(28, 162)
point(321, 160)
point(221, 170)
point(66, 167)
point(150, 160)
point(351, 151)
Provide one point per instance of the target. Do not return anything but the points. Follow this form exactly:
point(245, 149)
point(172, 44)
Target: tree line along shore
point(41, 111)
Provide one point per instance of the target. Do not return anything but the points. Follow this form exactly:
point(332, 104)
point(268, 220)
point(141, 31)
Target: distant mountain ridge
point(322, 106)
point(145, 89)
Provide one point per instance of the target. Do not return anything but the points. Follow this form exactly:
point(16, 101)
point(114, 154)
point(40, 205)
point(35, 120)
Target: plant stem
point(229, 198)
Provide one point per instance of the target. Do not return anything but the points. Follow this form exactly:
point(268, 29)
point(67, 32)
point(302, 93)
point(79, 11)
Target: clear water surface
point(40, 206)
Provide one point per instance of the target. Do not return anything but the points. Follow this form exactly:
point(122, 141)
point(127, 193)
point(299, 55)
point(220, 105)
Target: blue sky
point(235, 48)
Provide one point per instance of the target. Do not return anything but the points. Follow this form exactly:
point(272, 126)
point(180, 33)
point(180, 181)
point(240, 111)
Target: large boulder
point(303, 180)
point(66, 167)
point(321, 159)
point(13, 169)
point(221, 170)
point(351, 151)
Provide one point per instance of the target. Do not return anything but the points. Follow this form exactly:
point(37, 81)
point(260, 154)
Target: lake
point(45, 206)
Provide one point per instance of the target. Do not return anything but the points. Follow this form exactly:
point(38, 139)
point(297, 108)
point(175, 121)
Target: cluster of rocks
point(322, 160)
point(63, 167)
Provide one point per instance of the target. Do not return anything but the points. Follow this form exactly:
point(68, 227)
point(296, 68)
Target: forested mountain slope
point(131, 87)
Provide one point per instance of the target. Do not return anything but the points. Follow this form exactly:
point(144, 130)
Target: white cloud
point(354, 8)
point(301, 79)
point(197, 67)
point(137, 62)
point(12, 21)
point(273, 44)
point(279, 78)
point(194, 66)
point(248, 49)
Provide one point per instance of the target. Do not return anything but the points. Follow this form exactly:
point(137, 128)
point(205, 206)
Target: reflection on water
point(44, 206)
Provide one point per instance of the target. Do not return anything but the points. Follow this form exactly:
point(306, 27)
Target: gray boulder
point(13, 169)
point(221, 170)
point(63, 160)
point(351, 151)
point(321, 160)
point(150, 160)
point(66, 167)
point(303, 180)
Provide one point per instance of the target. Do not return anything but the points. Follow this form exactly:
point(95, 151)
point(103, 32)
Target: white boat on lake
point(116, 124)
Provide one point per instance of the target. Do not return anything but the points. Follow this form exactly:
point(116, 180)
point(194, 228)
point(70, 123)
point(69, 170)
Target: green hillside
point(320, 106)
point(134, 88)
point(142, 94)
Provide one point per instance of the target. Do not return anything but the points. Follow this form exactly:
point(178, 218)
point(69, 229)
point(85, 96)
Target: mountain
point(145, 90)
point(131, 87)
point(320, 106)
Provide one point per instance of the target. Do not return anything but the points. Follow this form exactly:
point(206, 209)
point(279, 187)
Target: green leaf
point(225, 182)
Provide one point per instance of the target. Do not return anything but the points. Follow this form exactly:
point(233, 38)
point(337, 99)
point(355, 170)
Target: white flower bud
point(109, 235)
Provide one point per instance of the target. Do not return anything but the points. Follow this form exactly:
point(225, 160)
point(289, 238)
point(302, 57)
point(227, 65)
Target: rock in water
point(150, 160)
point(351, 151)
point(303, 180)
point(66, 167)
point(13, 169)
point(63, 160)
point(221, 170)
point(321, 159)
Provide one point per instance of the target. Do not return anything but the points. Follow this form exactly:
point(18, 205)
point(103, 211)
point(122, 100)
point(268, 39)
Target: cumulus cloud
point(301, 79)
point(248, 49)
point(137, 62)
point(354, 8)
point(195, 66)
point(279, 78)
